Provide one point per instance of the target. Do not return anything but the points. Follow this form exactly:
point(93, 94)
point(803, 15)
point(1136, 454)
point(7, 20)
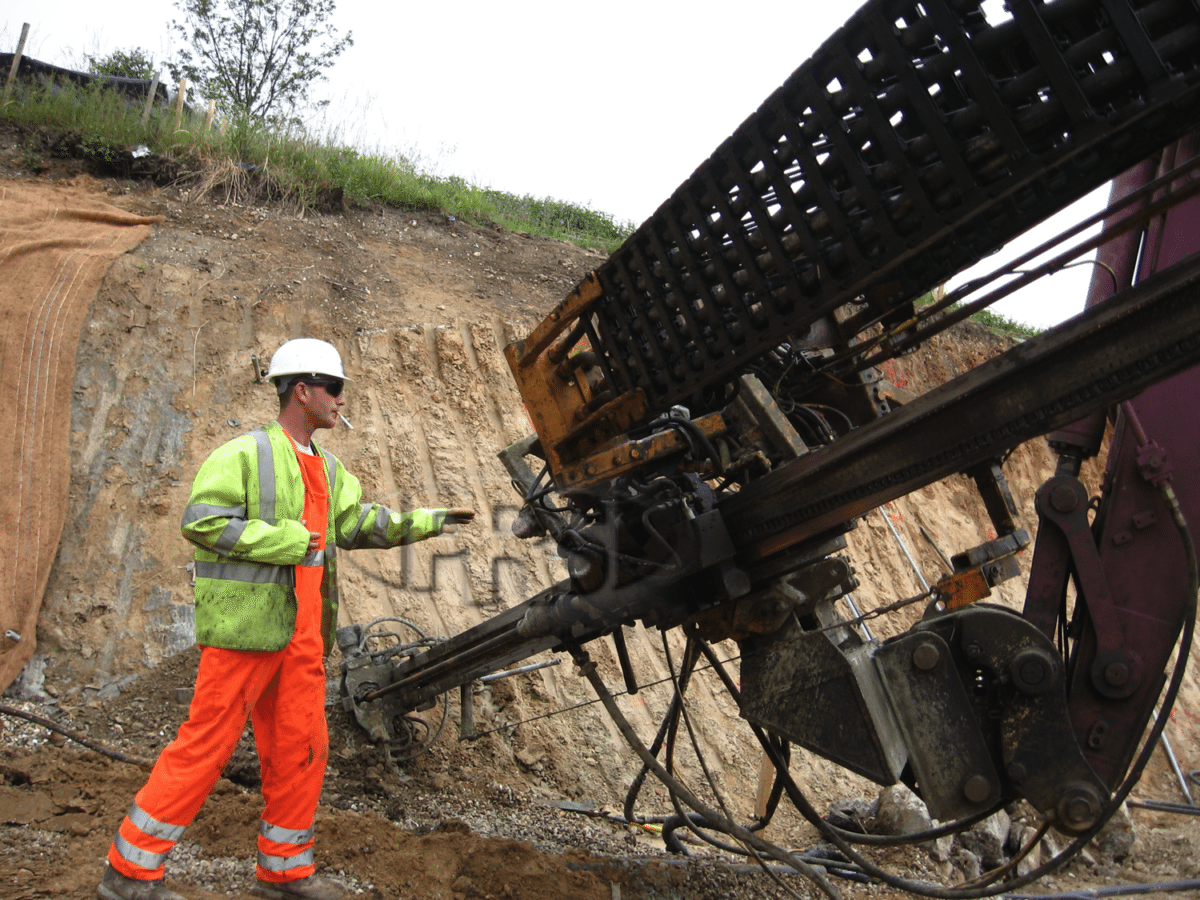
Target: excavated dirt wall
point(420, 308)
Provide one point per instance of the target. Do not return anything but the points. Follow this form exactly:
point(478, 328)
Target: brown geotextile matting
point(54, 249)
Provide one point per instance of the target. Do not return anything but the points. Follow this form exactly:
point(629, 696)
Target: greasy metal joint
point(1063, 499)
point(1034, 671)
point(1117, 673)
point(1078, 807)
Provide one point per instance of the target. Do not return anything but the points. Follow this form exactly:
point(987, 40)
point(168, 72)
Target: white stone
point(901, 812)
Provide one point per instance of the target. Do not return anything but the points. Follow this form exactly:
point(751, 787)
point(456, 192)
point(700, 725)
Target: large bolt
point(1033, 671)
point(1116, 674)
point(1064, 499)
point(926, 656)
point(977, 788)
point(1078, 808)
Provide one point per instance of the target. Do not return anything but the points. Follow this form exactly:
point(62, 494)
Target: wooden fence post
point(179, 101)
point(12, 73)
point(150, 97)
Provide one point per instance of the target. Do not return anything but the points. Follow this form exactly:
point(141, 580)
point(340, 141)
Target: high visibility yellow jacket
point(244, 516)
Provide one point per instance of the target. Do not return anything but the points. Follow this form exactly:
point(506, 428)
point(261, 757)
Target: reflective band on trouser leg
point(284, 852)
point(142, 844)
point(284, 865)
point(284, 835)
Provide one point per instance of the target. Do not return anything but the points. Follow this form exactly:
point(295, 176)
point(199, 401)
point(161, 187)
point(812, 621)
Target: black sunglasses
point(333, 388)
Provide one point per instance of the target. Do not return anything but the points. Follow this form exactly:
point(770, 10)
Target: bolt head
point(1032, 671)
point(1078, 808)
point(1078, 813)
point(977, 788)
point(1064, 499)
point(926, 657)
point(1116, 674)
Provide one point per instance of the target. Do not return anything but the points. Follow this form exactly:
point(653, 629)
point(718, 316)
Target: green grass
point(989, 319)
point(1004, 325)
point(251, 161)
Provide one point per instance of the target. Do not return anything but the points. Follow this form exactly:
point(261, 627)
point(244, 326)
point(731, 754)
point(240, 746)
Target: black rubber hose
point(76, 736)
point(588, 669)
point(691, 428)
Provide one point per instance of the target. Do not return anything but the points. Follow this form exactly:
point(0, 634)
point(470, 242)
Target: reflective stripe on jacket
point(244, 517)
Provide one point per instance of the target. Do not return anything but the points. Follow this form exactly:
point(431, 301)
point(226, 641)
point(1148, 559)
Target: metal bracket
point(1063, 502)
point(947, 751)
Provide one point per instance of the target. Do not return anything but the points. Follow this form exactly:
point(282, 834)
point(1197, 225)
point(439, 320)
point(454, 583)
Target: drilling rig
point(711, 419)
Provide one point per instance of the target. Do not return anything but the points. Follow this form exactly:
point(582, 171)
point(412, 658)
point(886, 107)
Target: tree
point(258, 57)
point(135, 63)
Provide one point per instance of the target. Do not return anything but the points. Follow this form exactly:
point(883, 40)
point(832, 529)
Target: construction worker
point(267, 514)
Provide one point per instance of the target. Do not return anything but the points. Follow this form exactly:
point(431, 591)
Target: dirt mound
point(169, 365)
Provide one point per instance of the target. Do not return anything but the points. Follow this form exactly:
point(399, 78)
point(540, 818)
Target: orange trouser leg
point(228, 685)
point(293, 744)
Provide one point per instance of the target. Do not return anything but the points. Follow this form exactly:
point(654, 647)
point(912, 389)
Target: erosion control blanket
point(55, 246)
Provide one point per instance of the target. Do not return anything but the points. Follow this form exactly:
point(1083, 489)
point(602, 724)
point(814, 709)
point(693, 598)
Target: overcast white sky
point(606, 105)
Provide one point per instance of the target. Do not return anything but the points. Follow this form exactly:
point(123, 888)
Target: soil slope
point(420, 307)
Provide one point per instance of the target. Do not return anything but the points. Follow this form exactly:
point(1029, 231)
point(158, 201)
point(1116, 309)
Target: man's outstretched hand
point(451, 518)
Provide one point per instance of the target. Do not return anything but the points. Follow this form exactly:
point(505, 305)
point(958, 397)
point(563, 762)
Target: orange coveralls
point(284, 693)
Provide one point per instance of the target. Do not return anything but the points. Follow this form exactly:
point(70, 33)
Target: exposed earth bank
point(420, 306)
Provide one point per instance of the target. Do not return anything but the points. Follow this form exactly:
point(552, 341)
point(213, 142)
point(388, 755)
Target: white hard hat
point(304, 356)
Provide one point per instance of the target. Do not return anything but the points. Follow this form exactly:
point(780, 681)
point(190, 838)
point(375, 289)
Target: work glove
point(449, 519)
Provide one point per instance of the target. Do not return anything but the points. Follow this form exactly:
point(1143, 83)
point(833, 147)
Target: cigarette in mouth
point(346, 421)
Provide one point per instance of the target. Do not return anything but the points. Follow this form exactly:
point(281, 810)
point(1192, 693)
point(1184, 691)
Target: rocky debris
point(988, 839)
point(1117, 838)
point(988, 844)
point(1021, 835)
point(968, 865)
point(901, 812)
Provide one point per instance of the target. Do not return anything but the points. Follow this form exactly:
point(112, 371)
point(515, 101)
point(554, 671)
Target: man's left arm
point(361, 525)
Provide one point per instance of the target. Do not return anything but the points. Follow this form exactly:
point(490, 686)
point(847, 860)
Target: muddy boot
point(314, 887)
point(115, 886)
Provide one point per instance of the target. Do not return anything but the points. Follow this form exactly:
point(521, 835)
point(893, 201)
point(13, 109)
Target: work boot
point(115, 886)
point(314, 887)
